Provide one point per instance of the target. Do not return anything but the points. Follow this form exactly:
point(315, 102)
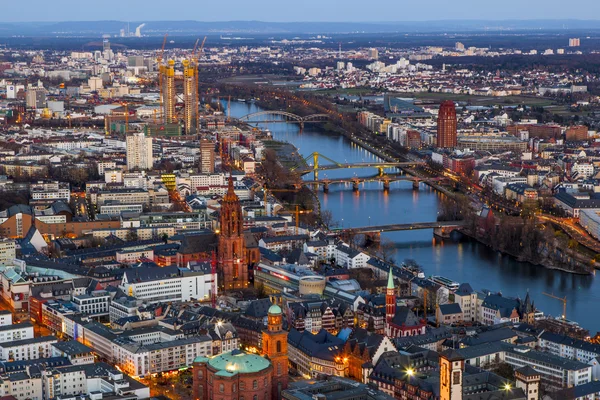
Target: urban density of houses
point(153, 244)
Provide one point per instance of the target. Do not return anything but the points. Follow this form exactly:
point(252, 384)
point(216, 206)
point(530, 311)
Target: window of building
point(255, 397)
point(242, 386)
point(456, 378)
point(279, 346)
point(255, 385)
point(234, 388)
point(221, 388)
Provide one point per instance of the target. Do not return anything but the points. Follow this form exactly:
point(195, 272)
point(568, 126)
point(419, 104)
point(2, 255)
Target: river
point(459, 258)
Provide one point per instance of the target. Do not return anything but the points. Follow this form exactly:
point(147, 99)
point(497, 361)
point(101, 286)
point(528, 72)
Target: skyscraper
point(207, 157)
point(446, 125)
point(232, 267)
point(139, 151)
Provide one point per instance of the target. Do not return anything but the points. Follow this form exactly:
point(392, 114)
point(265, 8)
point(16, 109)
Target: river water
point(459, 259)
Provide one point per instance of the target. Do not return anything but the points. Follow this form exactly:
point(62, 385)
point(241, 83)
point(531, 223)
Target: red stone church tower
point(390, 303)
point(274, 346)
point(232, 268)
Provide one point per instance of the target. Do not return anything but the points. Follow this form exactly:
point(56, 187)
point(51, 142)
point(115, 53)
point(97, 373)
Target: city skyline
point(311, 10)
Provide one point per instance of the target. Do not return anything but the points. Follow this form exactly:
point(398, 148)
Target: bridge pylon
point(386, 185)
point(416, 184)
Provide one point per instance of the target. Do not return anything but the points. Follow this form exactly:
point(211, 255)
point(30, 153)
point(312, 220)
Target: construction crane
point(159, 60)
point(296, 214)
point(126, 105)
point(195, 66)
point(564, 301)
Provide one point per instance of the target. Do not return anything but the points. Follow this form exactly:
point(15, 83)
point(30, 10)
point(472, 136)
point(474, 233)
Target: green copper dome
point(239, 362)
point(274, 309)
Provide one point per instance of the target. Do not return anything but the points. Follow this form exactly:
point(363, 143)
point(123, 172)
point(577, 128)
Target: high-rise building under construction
point(168, 91)
point(190, 98)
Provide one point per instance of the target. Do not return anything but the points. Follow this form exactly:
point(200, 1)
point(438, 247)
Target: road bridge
point(318, 166)
point(440, 228)
point(385, 179)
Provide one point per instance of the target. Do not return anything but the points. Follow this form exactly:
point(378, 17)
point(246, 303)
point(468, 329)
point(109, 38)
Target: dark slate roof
point(449, 309)
point(464, 289)
point(404, 315)
point(573, 202)
point(452, 355)
point(322, 345)
point(527, 371)
point(151, 274)
point(503, 304)
point(580, 391)
point(571, 342)
point(72, 347)
point(494, 335)
point(258, 308)
point(203, 243)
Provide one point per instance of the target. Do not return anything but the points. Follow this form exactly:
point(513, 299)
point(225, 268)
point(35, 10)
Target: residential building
point(139, 151)
point(207, 157)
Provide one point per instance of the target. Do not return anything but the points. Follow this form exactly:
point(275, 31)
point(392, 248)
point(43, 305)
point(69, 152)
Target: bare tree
point(387, 249)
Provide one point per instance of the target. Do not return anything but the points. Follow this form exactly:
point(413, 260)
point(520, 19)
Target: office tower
point(168, 81)
point(207, 157)
point(135, 61)
point(446, 125)
point(373, 54)
point(190, 112)
point(35, 97)
point(574, 42)
point(139, 151)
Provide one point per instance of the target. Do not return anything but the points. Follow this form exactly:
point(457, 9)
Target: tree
point(504, 370)
point(387, 249)
point(132, 236)
point(327, 219)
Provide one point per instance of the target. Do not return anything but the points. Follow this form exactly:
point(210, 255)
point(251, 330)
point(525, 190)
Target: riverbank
point(461, 258)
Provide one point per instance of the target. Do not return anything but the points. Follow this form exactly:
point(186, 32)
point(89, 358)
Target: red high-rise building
point(446, 125)
point(232, 267)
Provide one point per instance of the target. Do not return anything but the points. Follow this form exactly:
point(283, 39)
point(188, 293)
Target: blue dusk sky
point(296, 10)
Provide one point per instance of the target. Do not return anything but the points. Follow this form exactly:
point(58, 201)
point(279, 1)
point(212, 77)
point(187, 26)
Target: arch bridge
point(287, 117)
point(317, 166)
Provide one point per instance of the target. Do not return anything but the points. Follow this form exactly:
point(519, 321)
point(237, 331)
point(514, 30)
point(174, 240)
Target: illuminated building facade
point(446, 125)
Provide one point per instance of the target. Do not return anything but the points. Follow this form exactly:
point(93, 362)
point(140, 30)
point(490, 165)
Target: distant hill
point(151, 28)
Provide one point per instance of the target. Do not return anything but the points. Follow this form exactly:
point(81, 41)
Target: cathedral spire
point(390, 284)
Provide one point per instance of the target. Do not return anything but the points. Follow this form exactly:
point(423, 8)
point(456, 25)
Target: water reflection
point(459, 259)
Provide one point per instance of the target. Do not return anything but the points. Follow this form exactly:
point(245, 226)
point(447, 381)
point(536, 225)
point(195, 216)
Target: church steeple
point(390, 301)
point(233, 269)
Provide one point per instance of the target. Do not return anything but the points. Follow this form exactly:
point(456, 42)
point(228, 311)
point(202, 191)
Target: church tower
point(390, 303)
point(274, 346)
point(452, 368)
point(232, 268)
